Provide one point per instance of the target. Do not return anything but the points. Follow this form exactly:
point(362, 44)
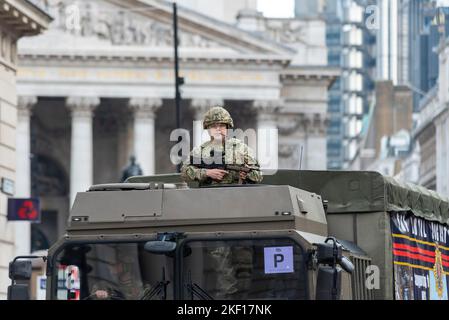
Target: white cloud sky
point(277, 8)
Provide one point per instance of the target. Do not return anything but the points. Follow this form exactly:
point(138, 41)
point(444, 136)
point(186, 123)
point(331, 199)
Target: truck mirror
point(160, 247)
point(20, 270)
point(18, 292)
point(326, 288)
point(332, 253)
point(327, 252)
point(165, 244)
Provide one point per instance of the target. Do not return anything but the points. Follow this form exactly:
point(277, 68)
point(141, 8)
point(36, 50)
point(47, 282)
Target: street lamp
point(179, 81)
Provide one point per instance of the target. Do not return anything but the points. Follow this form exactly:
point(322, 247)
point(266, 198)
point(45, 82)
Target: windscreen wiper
point(159, 289)
point(196, 290)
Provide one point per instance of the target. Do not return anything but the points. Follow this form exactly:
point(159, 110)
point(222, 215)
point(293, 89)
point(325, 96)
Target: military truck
point(299, 235)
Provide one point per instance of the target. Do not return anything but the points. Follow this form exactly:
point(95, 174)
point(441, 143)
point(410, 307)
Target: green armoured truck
point(299, 235)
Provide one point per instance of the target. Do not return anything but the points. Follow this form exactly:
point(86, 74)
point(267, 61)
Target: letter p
point(278, 258)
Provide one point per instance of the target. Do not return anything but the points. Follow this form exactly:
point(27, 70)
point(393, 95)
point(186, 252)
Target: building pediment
point(141, 25)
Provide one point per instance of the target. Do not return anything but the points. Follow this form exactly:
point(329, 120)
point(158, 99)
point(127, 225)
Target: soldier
point(233, 264)
point(221, 149)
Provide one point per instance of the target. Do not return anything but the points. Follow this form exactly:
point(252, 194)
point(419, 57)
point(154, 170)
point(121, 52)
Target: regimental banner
point(420, 257)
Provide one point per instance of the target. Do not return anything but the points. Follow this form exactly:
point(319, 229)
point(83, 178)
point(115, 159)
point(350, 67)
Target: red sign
point(24, 209)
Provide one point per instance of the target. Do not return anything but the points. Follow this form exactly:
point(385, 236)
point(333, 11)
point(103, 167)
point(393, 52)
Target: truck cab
point(161, 240)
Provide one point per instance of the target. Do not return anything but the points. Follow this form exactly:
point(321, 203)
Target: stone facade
point(442, 123)
point(432, 132)
point(18, 18)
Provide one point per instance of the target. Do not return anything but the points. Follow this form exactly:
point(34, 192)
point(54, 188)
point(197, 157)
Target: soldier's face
point(218, 131)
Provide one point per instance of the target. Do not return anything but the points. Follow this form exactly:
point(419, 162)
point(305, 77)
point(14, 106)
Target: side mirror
point(160, 247)
point(326, 288)
point(330, 253)
point(19, 270)
point(329, 257)
point(166, 243)
point(18, 292)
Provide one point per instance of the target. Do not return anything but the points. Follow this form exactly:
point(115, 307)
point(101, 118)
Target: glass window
point(113, 271)
point(334, 58)
point(334, 107)
point(244, 269)
point(334, 126)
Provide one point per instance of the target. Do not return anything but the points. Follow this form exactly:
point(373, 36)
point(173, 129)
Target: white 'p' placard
point(278, 260)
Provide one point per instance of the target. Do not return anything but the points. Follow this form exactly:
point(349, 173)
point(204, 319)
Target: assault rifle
point(207, 163)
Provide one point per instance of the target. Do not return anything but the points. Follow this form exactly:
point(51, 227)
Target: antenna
point(179, 81)
point(300, 158)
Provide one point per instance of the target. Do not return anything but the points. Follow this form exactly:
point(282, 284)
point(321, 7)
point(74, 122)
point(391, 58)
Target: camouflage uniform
point(233, 265)
point(235, 152)
point(231, 151)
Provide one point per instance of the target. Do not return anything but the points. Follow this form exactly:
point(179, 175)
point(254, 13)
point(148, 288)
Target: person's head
point(217, 121)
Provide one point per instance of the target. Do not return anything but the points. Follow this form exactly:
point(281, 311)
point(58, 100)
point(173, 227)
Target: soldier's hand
point(101, 294)
point(243, 175)
point(216, 174)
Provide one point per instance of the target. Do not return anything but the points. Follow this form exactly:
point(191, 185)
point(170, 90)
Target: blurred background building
point(371, 41)
point(350, 43)
point(18, 19)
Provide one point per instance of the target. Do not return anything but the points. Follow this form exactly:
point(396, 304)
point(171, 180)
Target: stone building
point(18, 18)
point(99, 86)
point(425, 137)
point(432, 132)
point(386, 137)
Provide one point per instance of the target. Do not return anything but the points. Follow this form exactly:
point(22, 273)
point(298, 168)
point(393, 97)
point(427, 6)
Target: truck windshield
point(112, 271)
point(244, 269)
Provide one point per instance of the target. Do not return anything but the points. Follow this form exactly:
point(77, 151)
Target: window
point(334, 126)
point(333, 37)
point(352, 58)
point(334, 106)
point(334, 58)
point(245, 269)
point(334, 148)
point(354, 105)
point(112, 271)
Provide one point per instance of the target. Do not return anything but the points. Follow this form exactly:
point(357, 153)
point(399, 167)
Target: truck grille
point(359, 290)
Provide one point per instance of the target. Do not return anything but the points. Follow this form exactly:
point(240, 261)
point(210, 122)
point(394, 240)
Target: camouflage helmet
point(217, 115)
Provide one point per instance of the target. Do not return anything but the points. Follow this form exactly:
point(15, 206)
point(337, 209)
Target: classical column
point(144, 110)
point(316, 143)
point(200, 107)
point(267, 134)
point(81, 156)
point(23, 170)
